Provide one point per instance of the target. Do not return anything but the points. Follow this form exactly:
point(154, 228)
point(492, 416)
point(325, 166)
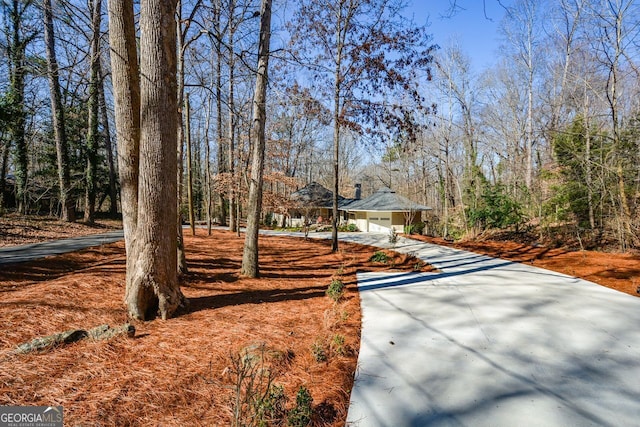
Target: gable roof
point(386, 200)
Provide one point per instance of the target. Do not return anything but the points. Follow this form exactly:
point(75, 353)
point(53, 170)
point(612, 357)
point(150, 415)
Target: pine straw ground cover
point(179, 372)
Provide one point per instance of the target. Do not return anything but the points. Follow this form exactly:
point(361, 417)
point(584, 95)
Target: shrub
point(348, 227)
point(300, 415)
point(497, 209)
point(268, 219)
point(337, 344)
point(318, 351)
point(257, 401)
point(379, 256)
point(393, 236)
point(271, 408)
point(336, 289)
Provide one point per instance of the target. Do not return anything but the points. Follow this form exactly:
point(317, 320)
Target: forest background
point(546, 138)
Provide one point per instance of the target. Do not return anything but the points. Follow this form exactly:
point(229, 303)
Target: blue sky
point(477, 35)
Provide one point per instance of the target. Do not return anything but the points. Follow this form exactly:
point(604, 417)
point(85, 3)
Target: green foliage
point(300, 415)
point(414, 228)
point(379, 256)
point(268, 219)
point(257, 401)
point(496, 209)
point(335, 290)
point(319, 352)
point(348, 228)
point(271, 407)
point(571, 195)
point(393, 236)
point(337, 344)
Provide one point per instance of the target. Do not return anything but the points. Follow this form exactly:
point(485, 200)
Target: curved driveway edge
point(488, 342)
point(33, 251)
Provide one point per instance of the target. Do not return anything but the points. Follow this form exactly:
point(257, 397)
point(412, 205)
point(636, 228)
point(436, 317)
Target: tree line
point(546, 139)
point(217, 110)
point(182, 89)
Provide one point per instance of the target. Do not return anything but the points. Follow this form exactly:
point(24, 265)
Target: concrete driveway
point(487, 342)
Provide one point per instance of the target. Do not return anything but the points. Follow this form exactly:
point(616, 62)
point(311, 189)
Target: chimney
point(358, 192)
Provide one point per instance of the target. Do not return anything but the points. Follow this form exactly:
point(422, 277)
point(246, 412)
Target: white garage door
point(380, 222)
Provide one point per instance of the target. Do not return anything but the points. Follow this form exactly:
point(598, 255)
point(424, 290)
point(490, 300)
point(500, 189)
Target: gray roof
point(316, 196)
point(386, 200)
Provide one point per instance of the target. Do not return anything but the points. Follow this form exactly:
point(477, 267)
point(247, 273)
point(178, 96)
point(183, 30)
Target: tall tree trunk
point(106, 132)
point(126, 90)
point(187, 131)
point(336, 129)
point(156, 238)
point(93, 135)
point(57, 112)
point(233, 226)
point(250, 266)
point(17, 71)
point(222, 211)
point(180, 253)
point(207, 166)
point(4, 165)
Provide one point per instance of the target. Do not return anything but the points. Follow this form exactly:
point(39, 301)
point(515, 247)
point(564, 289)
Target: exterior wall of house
point(379, 222)
point(359, 219)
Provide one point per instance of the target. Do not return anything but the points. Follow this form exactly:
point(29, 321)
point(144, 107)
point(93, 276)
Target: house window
point(385, 219)
point(373, 219)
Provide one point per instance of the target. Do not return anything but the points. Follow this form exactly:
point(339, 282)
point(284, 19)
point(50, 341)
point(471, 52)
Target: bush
point(271, 408)
point(318, 351)
point(300, 415)
point(348, 227)
point(336, 289)
point(337, 344)
point(379, 256)
point(393, 236)
point(496, 210)
point(268, 219)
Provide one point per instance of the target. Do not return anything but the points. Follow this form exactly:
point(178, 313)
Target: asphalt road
point(33, 251)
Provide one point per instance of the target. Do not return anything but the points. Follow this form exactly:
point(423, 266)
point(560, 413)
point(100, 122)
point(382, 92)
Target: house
point(315, 202)
point(383, 210)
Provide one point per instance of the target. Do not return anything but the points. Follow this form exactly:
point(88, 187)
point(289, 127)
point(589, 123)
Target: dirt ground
point(613, 270)
point(180, 372)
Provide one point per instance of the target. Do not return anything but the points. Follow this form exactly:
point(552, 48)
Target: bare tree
point(93, 136)
point(250, 266)
point(57, 113)
point(360, 47)
point(522, 30)
point(150, 220)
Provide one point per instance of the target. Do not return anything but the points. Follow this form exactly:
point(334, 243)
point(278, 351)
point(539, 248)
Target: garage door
point(380, 223)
